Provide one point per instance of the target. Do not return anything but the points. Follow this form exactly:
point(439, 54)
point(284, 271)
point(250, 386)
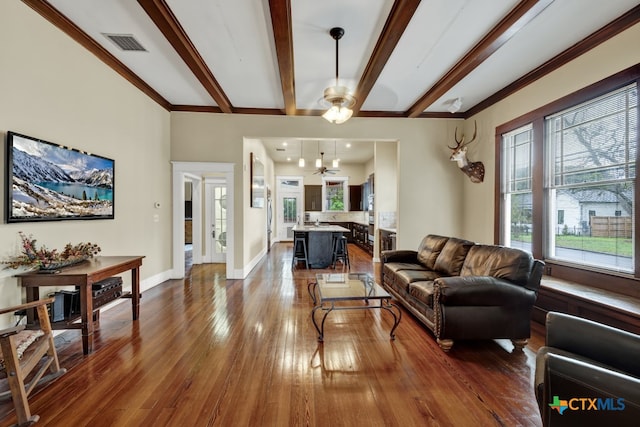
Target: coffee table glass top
point(345, 287)
point(333, 290)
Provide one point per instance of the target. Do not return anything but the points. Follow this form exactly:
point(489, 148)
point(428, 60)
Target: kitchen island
point(319, 239)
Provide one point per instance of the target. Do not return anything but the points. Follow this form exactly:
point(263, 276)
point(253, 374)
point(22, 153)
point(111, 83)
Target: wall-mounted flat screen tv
point(52, 182)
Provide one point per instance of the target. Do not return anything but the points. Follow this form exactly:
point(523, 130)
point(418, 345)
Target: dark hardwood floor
point(214, 352)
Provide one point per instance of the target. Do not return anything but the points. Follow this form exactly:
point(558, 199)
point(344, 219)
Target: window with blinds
point(590, 177)
point(517, 224)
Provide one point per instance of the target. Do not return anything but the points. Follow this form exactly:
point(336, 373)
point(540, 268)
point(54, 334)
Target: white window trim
point(345, 191)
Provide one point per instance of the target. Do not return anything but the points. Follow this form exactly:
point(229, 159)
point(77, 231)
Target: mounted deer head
point(474, 170)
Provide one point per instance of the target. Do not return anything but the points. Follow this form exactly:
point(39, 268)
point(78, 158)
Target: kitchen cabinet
point(355, 198)
point(348, 226)
point(360, 233)
point(313, 198)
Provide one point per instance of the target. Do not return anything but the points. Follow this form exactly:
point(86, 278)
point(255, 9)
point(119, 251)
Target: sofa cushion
point(505, 263)
point(452, 256)
point(393, 267)
point(405, 277)
point(429, 249)
point(422, 291)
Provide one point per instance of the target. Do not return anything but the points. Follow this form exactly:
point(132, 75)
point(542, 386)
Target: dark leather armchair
point(587, 374)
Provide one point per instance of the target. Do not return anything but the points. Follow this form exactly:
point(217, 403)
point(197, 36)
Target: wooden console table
point(84, 275)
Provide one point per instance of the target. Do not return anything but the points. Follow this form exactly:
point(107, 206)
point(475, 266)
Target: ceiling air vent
point(126, 42)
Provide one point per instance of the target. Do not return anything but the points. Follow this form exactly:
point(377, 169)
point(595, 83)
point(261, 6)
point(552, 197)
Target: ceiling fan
point(323, 169)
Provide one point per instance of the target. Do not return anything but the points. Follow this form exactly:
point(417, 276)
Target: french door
point(216, 221)
point(289, 206)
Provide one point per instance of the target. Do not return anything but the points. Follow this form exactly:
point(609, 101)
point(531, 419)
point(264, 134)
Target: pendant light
point(335, 162)
point(301, 160)
point(318, 160)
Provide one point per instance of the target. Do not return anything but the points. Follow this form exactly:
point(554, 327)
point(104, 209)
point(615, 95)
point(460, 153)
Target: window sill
point(611, 308)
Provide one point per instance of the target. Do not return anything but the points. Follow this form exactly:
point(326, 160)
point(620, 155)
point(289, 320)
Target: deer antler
point(461, 144)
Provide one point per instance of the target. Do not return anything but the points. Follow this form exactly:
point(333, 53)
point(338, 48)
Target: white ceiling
point(234, 44)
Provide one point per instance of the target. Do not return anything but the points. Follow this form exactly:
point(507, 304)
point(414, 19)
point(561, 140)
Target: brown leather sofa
point(587, 374)
point(465, 291)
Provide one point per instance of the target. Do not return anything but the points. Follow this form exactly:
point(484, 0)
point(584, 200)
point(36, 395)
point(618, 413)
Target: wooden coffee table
point(352, 291)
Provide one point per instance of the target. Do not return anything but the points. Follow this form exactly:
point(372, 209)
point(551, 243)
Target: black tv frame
point(73, 208)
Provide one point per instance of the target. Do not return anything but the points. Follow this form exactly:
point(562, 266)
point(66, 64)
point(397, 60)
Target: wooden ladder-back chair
point(22, 352)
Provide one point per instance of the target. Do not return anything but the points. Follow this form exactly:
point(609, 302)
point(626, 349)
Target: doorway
point(289, 206)
point(188, 224)
point(194, 172)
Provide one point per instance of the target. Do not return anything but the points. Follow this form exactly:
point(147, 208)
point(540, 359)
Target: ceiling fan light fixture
point(339, 97)
point(337, 114)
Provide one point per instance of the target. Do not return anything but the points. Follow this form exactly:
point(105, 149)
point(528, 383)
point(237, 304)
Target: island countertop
point(319, 240)
point(322, 228)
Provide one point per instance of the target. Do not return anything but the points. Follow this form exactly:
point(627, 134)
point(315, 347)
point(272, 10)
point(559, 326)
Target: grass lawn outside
point(606, 245)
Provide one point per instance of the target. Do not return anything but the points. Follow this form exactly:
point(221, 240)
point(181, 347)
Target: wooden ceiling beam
point(161, 15)
point(509, 26)
point(52, 15)
point(615, 27)
point(283, 34)
point(397, 21)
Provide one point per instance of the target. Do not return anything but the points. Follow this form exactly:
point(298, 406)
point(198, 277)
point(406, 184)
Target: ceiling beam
point(283, 35)
point(620, 24)
point(397, 21)
point(52, 15)
point(509, 26)
point(161, 15)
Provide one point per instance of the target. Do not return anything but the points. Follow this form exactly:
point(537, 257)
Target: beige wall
point(53, 89)
point(605, 60)
point(425, 174)
point(385, 185)
point(255, 219)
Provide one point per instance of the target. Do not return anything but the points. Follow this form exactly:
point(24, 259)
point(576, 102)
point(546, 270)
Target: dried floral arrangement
point(46, 259)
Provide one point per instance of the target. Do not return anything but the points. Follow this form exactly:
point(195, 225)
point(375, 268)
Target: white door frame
point(194, 172)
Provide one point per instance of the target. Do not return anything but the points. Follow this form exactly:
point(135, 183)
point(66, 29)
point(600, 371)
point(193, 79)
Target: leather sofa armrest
point(481, 291)
point(400, 255)
point(569, 378)
point(605, 344)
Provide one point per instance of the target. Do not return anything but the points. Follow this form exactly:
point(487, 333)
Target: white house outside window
point(591, 170)
point(586, 201)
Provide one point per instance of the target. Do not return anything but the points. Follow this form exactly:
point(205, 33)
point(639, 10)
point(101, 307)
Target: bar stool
point(299, 250)
point(341, 251)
